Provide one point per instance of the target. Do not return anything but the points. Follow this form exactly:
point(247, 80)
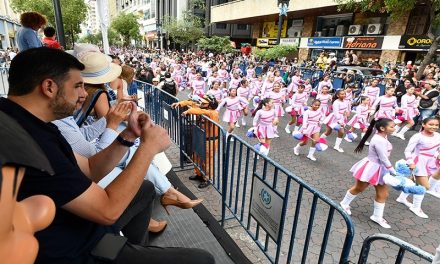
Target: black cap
point(167, 75)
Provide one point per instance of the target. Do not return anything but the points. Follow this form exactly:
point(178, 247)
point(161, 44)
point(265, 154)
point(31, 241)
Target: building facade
point(9, 24)
point(317, 25)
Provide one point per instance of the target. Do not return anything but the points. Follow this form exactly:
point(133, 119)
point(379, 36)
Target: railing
point(260, 194)
point(403, 247)
point(4, 85)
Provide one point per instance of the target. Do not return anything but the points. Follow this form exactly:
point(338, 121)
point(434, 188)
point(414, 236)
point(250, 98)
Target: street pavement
point(330, 175)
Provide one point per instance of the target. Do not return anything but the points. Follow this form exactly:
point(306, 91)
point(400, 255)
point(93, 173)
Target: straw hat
point(98, 68)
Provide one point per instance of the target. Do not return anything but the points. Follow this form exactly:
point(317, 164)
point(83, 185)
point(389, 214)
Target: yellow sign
point(266, 42)
point(270, 29)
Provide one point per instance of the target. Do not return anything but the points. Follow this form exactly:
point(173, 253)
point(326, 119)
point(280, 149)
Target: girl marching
point(409, 112)
point(198, 85)
point(244, 92)
point(422, 156)
point(278, 98)
point(234, 105)
point(360, 119)
point(387, 104)
point(310, 129)
point(299, 100)
point(371, 169)
point(372, 91)
point(325, 98)
point(216, 91)
point(264, 121)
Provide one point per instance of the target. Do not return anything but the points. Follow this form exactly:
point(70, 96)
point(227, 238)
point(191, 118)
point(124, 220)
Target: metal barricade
point(278, 209)
point(4, 74)
point(403, 247)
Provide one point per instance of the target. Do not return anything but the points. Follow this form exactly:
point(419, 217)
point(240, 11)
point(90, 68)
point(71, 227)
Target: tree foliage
point(276, 52)
point(184, 31)
point(215, 44)
point(113, 38)
point(74, 12)
point(397, 9)
point(127, 26)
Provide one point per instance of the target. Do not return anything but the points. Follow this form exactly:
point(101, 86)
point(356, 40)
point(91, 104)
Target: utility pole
point(59, 23)
point(283, 5)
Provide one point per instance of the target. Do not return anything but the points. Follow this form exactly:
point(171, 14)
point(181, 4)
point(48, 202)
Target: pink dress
point(223, 75)
point(307, 89)
point(324, 99)
point(293, 86)
point(348, 98)
point(311, 122)
point(263, 122)
point(278, 100)
point(250, 73)
point(234, 83)
point(372, 93)
point(297, 103)
point(338, 114)
point(256, 87)
point(423, 151)
point(278, 79)
point(267, 87)
point(245, 93)
point(198, 87)
point(408, 105)
point(325, 83)
point(360, 119)
point(218, 94)
point(372, 168)
point(234, 106)
point(386, 107)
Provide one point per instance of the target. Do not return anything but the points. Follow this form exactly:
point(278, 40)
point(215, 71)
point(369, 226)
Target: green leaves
point(183, 31)
point(127, 26)
point(215, 44)
point(276, 52)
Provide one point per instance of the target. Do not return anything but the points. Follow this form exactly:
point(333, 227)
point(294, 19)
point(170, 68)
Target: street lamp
point(283, 6)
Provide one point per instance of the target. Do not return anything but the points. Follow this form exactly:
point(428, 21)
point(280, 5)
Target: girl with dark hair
point(244, 92)
point(278, 98)
point(422, 155)
point(387, 104)
point(372, 91)
point(337, 119)
point(409, 112)
point(216, 91)
point(234, 105)
point(310, 128)
point(324, 97)
point(296, 80)
point(264, 120)
point(298, 101)
point(360, 119)
point(371, 169)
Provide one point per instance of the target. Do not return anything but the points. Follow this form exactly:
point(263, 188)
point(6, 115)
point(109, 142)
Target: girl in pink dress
point(307, 88)
point(198, 85)
point(387, 104)
point(298, 101)
point(223, 75)
point(372, 91)
point(370, 170)
point(311, 128)
point(337, 119)
point(244, 92)
point(278, 98)
point(234, 105)
point(296, 80)
point(422, 155)
point(349, 95)
point(257, 85)
point(264, 121)
point(216, 91)
point(408, 105)
point(325, 82)
point(278, 78)
point(190, 77)
point(360, 119)
point(235, 81)
point(325, 98)
point(270, 72)
point(267, 85)
point(250, 71)
point(212, 78)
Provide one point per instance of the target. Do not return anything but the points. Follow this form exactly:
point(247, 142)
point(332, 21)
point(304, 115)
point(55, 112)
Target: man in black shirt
point(42, 90)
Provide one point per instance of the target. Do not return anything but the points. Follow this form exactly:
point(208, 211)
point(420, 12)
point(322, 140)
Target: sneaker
point(311, 157)
point(243, 122)
point(203, 185)
point(404, 201)
point(195, 178)
point(339, 149)
point(402, 137)
point(287, 130)
point(367, 143)
point(237, 124)
point(434, 193)
point(418, 212)
point(296, 151)
point(276, 136)
point(347, 139)
point(382, 222)
point(346, 208)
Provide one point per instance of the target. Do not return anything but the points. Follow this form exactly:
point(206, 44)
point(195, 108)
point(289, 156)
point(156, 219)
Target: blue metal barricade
point(269, 202)
point(403, 247)
point(4, 85)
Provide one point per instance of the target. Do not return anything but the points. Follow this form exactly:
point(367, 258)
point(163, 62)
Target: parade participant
point(264, 120)
point(270, 72)
point(250, 71)
point(325, 98)
point(422, 155)
point(371, 169)
point(360, 119)
point(257, 86)
point(298, 101)
point(387, 104)
point(278, 98)
point(308, 87)
point(372, 91)
point(214, 77)
point(311, 128)
point(206, 106)
point(216, 91)
point(349, 95)
point(223, 75)
point(235, 80)
point(325, 82)
point(244, 92)
point(296, 80)
point(267, 85)
point(409, 109)
point(198, 85)
point(190, 76)
point(234, 106)
point(278, 78)
point(337, 119)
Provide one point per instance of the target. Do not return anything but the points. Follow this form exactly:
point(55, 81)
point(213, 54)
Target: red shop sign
point(363, 42)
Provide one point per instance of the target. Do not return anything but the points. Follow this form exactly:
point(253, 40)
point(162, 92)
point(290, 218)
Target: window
point(147, 14)
point(418, 20)
point(242, 27)
point(220, 25)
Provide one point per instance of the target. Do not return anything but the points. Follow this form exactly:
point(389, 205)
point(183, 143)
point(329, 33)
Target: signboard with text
point(366, 43)
point(289, 41)
point(266, 42)
point(270, 29)
point(415, 42)
point(266, 207)
point(331, 42)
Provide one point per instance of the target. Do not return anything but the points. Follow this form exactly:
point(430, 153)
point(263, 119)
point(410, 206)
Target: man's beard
point(60, 107)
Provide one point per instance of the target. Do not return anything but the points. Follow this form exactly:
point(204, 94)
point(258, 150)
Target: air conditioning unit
point(355, 30)
point(341, 30)
point(374, 29)
point(318, 34)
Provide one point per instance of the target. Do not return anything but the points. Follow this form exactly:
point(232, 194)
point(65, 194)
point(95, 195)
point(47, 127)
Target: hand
point(117, 114)
point(174, 105)
point(133, 121)
point(185, 113)
point(412, 166)
point(153, 136)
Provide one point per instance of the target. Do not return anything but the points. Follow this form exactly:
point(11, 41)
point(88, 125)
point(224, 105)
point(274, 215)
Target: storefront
point(367, 49)
point(414, 48)
point(325, 44)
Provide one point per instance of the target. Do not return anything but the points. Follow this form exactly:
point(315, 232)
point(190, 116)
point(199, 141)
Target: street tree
point(74, 12)
point(276, 53)
point(397, 9)
point(215, 44)
point(113, 38)
point(187, 30)
point(127, 26)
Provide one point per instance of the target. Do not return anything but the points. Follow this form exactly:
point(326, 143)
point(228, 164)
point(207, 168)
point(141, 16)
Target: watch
point(124, 142)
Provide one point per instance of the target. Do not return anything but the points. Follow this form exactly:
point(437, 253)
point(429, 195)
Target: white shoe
point(382, 222)
point(276, 136)
point(339, 149)
point(243, 122)
point(296, 151)
point(237, 124)
point(404, 201)
point(434, 193)
point(311, 157)
point(346, 208)
point(287, 130)
point(418, 212)
point(367, 143)
point(347, 139)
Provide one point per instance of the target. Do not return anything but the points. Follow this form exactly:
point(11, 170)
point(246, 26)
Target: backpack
point(169, 87)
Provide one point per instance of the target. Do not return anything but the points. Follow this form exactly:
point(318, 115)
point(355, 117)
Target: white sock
point(298, 145)
point(396, 127)
point(296, 128)
point(288, 126)
point(324, 136)
point(338, 142)
point(348, 198)
point(403, 130)
point(311, 151)
point(362, 135)
point(378, 209)
point(432, 183)
point(403, 195)
point(417, 200)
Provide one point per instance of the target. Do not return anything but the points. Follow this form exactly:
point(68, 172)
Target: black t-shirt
point(69, 238)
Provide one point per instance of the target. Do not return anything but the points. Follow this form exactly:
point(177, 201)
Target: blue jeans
point(425, 113)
